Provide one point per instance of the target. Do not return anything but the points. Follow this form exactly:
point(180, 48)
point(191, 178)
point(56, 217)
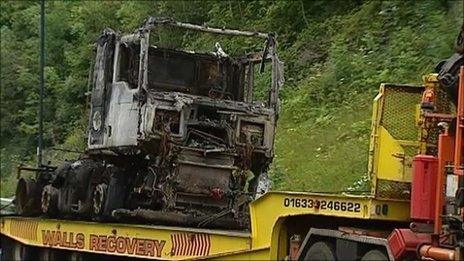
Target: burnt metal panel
point(101, 87)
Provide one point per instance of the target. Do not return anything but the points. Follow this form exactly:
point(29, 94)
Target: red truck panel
point(425, 171)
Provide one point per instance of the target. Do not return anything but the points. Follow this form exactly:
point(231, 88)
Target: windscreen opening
point(196, 74)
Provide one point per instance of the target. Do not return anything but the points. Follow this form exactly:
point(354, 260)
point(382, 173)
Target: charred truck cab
point(174, 136)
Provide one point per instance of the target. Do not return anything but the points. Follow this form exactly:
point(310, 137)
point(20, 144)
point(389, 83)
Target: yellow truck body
point(265, 241)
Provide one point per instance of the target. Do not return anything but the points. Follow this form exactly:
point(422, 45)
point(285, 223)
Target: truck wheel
point(27, 197)
point(45, 254)
point(374, 255)
point(49, 200)
point(22, 252)
point(322, 250)
point(76, 256)
point(49, 254)
point(99, 197)
point(117, 188)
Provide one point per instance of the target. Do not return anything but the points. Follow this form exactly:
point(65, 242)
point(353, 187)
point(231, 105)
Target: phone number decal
point(322, 204)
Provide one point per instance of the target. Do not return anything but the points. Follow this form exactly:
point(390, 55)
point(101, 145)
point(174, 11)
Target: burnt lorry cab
point(174, 136)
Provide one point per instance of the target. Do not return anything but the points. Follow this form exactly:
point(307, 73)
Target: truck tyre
point(76, 256)
point(322, 250)
point(114, 192)
point(5, 248)
point(27, 197)
point(374, 255)
point(21, 252)
point(46, 254)
point(50, 254)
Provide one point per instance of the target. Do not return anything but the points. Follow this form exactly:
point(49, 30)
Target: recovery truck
point(414, 210)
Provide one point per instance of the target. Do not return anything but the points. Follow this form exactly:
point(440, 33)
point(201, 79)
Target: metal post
point(458, 168)
point(41, 88)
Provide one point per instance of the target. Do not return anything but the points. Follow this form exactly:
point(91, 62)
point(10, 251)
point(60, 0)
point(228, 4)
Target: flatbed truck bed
point(273, 219)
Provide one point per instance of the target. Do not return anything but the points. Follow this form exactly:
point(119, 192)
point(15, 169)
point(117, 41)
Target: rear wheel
point(46, 254)
point(50, 254)
point(27, 197)
point(76, 256)
point(21, 252)
point(374, 255)
point(321, 250)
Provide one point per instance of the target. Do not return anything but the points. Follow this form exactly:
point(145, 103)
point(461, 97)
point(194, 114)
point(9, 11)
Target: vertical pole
point(445, 155)
point(459, 125)
point(250, 82)
point(41, 88)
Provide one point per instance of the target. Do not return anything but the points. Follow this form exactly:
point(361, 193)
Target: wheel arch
point(366, 243)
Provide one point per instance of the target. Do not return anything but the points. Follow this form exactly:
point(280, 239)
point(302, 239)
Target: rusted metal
point(49, 200)
point(173, 134)
point(27, 197)
point(427, 252)
point(295, 244)
point(172, 218)
point(152, 22)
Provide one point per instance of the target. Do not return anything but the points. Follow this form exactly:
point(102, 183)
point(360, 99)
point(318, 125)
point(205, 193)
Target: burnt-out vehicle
point(174, 137)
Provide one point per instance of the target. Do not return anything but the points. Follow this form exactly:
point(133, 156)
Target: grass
point(325, 154)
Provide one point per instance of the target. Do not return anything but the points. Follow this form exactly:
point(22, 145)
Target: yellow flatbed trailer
point(345, 226)
point(268, 238)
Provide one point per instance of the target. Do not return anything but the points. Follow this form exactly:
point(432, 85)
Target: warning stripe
point(195, 247)
point(201, 249)
point(184, 245)
point(188, 244)
point(174, 245)
point(24, 229)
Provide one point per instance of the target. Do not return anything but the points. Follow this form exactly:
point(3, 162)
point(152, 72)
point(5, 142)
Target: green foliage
point(336, 54)
point(327, 110)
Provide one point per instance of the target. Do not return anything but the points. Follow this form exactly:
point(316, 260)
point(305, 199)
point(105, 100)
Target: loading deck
point(174, 243)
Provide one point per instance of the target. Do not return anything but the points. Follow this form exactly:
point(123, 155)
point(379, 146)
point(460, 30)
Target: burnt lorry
point(174, 136)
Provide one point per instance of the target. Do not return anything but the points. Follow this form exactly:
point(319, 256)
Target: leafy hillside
point(336, 54)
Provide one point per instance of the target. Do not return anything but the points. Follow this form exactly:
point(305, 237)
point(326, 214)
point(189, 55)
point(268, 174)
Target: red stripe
point(189, 244)
point(184, 245)
point(176, 244)
point(203, 244)
point(195, 245)
point(209, 244)
point(173, 242)
point(173, 247)
point(192, 244)
point(198, 244)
